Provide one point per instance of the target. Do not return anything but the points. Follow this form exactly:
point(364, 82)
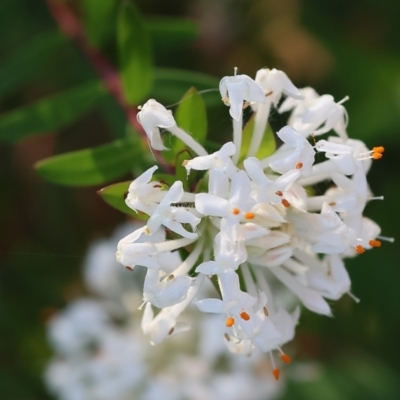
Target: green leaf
point(268, 144)
point(135, 54)
point(191, 116)
point(91, 166)
point(171, 84)
point(51, 113)
point(99, 20)
point(115, 195)
point(169, 33)
point(28, 59)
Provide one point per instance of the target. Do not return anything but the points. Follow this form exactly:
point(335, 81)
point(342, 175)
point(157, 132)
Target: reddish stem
point(73, 29)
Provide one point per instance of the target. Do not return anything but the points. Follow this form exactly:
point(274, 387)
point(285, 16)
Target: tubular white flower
point(152, 116)
point(237, 89)
point(172, 217)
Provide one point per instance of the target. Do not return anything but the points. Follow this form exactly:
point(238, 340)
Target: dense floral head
point(255, 220)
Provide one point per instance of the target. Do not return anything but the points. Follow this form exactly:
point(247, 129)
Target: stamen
point(332, 203)
point(359, 249)
point(227, 337)
point(386, 239)
point(171, 330)
point(376, 198)
point(375, 243)
point(157, 186)
point(356, 299)
point(229, 322)
point(244, 316)
point(249, 215)
point(128, 268)
point(235, 70)
point(285, 358)
point(285, 203)
point(279, 193)
point(269, 93)
point(276, 373)
point(379, 149)
point(170, 277)
point(265, 311)
point(299, 165)
point(142, 305)
point(377, 156)
point(343, 100)
point(235, 211)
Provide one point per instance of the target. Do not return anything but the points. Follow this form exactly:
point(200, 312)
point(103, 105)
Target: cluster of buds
point(258, 225)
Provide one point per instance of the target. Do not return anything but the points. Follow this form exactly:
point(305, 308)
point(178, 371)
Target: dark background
point(339, 47)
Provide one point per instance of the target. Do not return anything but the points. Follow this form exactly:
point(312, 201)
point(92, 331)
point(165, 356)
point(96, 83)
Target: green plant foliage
point(51, 113)
point(115, 194)
point(27, 59)
point(135, 54)
point(99, 20)
point(171, 32)
point(91, 166)
point(267, 146)
point(171, 84)
point(191, 116)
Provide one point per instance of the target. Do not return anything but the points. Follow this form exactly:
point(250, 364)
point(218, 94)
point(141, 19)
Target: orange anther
point(285, 358)
point(244, 315)
point(279, 193)
point(375, 243)
point(276, 372)
point(359, 249)
point(249, 215)
point(285, 203)
point(229, 322)
point(299, 165)
point(379, 149)
point(377, 156)
point(235, 211)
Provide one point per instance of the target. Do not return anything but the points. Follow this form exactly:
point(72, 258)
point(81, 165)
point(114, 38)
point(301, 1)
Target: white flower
point(173, 217)
point(295, 153)
point(237, 89)
point(275, 83)
point(167, 292)
point(152, 116)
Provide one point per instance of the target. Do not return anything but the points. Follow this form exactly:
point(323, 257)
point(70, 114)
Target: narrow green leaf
point(115, 195)
point(99, 20)
point(51, 113)
point(191, 116)
point(91, 166)
point(268, 143)
point(28, 59)
point(135, 54)
point(171, 84)
point(169, 33)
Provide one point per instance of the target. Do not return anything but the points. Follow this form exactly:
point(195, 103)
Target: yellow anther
point(229, 322)
point(285, 203)
point(375, 243)
point(249, 215)
point(244, 315)
point(359, 249)
point(235, 211)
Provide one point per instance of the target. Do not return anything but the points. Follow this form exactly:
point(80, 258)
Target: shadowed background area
point(339, 47)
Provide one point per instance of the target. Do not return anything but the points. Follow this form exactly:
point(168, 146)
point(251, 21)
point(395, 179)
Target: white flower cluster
point(261, 222)
point(102, 354)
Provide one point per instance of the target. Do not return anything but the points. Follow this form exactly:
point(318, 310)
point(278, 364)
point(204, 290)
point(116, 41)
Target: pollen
point(285, 358)
point(229, 322)
point(235, 211)
point(299, 165)
point(379, 149)
point(276, 372)
point(279, 193)
point(359, 249)
point(244, 315)
point(285, 203)
point(375, 243)
point(249, 215)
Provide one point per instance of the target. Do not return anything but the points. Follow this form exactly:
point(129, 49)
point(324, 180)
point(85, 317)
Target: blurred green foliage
point(49, 86)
